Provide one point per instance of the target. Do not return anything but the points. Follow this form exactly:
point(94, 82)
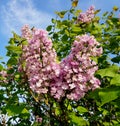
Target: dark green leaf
point(116, 59)
point(12, 61)
point(16, 109)
point(49, 28)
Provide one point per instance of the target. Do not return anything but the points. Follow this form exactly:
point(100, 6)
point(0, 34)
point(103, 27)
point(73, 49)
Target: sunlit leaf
point(110, 72)
point(115, 80)
point(97, 11)
point(15, 49)
point(61, 14)
point(74, 3)
point(115, 8)
point(78, 120)
point(76, 28)
point(1, 67)
point(82, 109)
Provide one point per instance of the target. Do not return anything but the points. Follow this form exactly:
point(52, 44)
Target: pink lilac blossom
point(72, 77)
point(87, 16)
point(39, 57)
point(77, 70)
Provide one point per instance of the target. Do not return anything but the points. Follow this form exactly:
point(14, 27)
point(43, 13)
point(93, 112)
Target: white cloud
point(19, 12)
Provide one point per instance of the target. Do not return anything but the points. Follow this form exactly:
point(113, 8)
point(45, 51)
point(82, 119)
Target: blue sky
point(15, 13)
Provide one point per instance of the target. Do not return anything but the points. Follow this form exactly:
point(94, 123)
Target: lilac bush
point(50, 78)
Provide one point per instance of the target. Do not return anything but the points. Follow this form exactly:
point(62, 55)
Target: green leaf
point(49, 28)
point(74, 3)
point(116, 123)
point(115, 80)
point(97, 11)
point(109, 94)
point(97, 26)
point(115, 8)
point(95, 95)
point(77, 12)
point(115, 20)
point(109, 72)
point(116, 59)
point(76, 28)
point(54, 105)
point(105, 112)
point(55, 35)
point(95, 32)
point(69, 107)
point(11, 41)
point(24, 42)
point(57, 111)
point(82, 109)
point(78, 120)
point(12, 61)
point(14, 49)
point(17, 76)
point(61, 14)
point(17, 38)
point(15, 109)
point(106, 123)
point(53, 20)
point(105, 13)
point(110, 22)
point(1, 95)
point(1, 67)
point(24, 111)
point(64, 37)
point(95, 59)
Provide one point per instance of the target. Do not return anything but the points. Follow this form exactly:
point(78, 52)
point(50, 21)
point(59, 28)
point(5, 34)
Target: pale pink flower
point(87, 16)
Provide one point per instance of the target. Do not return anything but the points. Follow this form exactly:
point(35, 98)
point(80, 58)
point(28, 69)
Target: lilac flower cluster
point(87, 16)
point(77, 70)
point(70, 78)
point(39, 59)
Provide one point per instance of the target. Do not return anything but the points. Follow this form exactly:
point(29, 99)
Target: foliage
point(23, 106)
